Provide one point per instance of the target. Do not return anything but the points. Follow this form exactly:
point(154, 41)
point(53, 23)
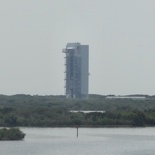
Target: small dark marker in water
point(77, 130)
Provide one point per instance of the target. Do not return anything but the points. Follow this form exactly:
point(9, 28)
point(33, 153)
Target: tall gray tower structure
point(76, 70)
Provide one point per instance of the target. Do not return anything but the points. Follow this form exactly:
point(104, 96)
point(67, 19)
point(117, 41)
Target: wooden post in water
point(77, 130)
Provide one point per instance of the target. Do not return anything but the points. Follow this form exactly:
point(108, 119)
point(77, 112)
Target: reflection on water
point(92, 141)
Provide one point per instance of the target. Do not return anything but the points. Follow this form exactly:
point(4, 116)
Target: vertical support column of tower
point(77, 70)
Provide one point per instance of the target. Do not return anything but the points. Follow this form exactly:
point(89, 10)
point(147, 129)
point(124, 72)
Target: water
point(91, 141)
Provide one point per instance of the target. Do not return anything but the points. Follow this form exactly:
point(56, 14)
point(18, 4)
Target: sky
point(120, 35)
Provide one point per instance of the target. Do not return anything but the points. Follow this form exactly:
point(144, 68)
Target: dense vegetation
point(11, 134)
point(51, 111)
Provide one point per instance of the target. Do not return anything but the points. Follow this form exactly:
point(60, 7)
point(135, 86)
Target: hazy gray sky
point(120, 33)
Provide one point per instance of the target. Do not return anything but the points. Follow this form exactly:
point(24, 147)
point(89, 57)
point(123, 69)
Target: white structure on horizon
point(76, 70)
point(127, 97)
point(86, 111)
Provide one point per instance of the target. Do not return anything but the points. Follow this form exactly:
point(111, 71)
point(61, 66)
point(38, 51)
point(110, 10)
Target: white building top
point(126, 97)
point(86, 111)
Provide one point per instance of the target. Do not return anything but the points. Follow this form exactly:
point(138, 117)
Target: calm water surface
point(91, 141)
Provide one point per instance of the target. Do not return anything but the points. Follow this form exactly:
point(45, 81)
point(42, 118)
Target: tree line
point(54, 111)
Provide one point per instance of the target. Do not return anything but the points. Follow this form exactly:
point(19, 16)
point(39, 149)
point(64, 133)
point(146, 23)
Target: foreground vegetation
point(54, 111)
point(11, 134)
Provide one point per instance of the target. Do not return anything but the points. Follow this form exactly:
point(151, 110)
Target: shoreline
point(107, 126)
